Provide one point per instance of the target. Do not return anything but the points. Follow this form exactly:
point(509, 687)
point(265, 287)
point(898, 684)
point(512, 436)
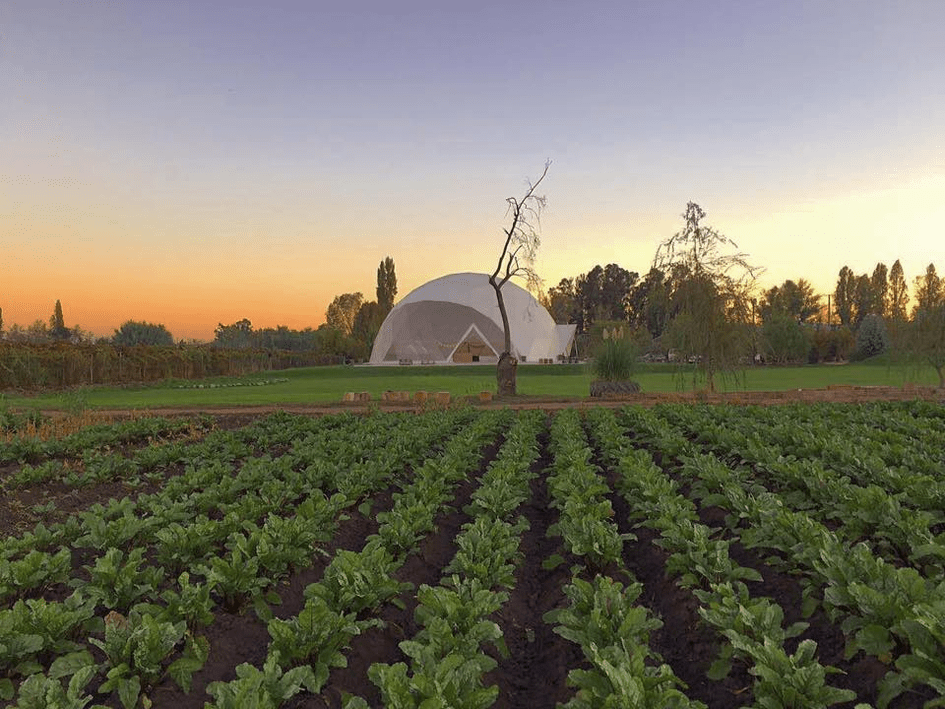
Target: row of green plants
point(751, 627)
point(858, 448)
point(602, 616)
point(891, 613)
point(235, 559)
point(308, 645)
point(24, 447)
point(446, 659)
point(889, 523)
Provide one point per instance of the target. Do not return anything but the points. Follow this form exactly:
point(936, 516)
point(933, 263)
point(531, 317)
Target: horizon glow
point(195, 164)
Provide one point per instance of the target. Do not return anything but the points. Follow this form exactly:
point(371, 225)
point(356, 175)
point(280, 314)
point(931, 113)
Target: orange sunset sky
point(197, 163)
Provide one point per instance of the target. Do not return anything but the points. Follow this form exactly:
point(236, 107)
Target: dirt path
point(835, 393)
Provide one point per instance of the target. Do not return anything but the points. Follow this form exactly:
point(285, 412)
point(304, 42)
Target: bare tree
point(517, 259)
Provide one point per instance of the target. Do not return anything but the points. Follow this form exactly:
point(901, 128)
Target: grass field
point(328, 384)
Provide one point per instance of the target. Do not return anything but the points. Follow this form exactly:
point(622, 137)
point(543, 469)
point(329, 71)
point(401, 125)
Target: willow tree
point(928, 338)
point(517, 259)
point(928, 322)
point(711, 299)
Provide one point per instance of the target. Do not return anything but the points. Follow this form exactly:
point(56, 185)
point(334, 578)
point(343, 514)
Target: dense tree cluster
point(142, 333)
point(600, 294)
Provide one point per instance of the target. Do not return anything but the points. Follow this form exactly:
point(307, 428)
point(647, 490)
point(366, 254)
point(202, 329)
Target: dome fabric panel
point(430, 330)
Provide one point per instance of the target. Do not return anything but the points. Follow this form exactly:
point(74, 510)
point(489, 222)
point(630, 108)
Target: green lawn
point(328, 384)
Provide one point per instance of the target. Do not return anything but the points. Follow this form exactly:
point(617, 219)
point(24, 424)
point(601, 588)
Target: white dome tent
point(455, 319)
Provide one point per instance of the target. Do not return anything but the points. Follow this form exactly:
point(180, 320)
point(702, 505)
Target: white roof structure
point(456, 319)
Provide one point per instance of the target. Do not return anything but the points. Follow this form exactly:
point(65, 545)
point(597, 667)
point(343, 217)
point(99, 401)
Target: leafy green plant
point(32, 474)
point(40, 691)
point(451, 682)
point(696, 559)
point(602, 612)
point(729, 607)
point(237, 576)
point(619, 678)
point(191, 603)
point(118, 533)
point(37, 569)
point(262, 689)
point(37, 626)
point(487, 551)
point(117, 581)
point(14, 422)
point(180, 546)
point(317, 636)
point(355, 581)
point(613, 634)
point(136, 648)
point(924, 664)
point(456, 618)
point(786, 681)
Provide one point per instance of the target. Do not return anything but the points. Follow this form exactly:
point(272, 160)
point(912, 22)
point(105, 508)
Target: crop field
point(679, 556)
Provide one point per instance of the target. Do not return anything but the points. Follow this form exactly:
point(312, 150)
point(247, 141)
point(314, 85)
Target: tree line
point(699, 302)
point(351, 323)
point(55, 331)
point(347, 335)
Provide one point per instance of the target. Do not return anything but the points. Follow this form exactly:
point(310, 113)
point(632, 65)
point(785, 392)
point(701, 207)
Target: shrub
point(784, 339)
point(872, 338)
point(830, 345)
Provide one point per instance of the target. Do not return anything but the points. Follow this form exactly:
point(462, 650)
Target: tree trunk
point(505, 374)
point(506, 369)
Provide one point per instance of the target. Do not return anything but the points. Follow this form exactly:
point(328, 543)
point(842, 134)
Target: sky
point(196, 163)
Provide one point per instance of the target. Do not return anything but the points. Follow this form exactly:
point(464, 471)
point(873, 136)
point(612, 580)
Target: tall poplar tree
point(844, 297)
point(879, 282)
point(386, 285)
point(928, 290)
point(898, 293)
point(57, 324)
point(928, 321)
point(863, 299)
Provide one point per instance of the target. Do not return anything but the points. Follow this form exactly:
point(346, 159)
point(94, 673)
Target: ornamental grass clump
point(614, 362)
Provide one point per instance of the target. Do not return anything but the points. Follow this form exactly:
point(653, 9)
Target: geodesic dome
point(456, 319)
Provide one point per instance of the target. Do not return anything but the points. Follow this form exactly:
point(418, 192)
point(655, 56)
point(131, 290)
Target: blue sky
point(217, 160)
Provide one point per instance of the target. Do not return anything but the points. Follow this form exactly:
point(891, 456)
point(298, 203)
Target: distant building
point(455, 319)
